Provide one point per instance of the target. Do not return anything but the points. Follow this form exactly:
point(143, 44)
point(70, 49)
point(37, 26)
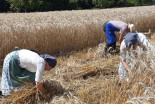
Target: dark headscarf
point(52, 61)
point(131, 39)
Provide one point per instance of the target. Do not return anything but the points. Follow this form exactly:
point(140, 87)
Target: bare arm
point(39, 86)
point(127, 69)
point(121, 38)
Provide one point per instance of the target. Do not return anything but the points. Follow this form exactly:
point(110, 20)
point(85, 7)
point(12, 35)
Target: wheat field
point(82, 76)
point(49, 32)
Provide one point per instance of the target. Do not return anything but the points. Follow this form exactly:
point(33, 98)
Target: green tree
point(103, 3)
point(25, 5)
point(54, 5)
point(73, 4)
point(85, 4)
point(33, 5)
point(120, 3)
point(143, 2)
point(16, 5)
point(138, 2)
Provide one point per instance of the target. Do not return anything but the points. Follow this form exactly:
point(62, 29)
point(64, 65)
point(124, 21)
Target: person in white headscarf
point(130, 42)
point(110, 28)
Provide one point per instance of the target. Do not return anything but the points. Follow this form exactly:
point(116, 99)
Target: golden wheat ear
point(148, 34)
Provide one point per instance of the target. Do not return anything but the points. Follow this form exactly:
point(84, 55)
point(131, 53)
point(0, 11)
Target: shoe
point(105, 56)
point(111, 50)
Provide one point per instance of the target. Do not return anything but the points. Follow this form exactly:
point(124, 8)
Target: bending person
point(110, 28)
point(130, 43)
point(25, 66)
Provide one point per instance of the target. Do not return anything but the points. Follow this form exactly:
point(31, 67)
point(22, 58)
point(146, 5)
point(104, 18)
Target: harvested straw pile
point(25, 96)
point(53, 88)
point(30, 95)
point(88, 64)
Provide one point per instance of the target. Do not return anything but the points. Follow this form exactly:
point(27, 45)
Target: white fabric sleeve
point(144, 42)
point(122, 51)
point(39, 71)
point(123, 30)
point(32, 62)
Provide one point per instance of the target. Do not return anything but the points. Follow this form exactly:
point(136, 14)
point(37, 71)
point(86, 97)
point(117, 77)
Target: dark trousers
point(107, 46)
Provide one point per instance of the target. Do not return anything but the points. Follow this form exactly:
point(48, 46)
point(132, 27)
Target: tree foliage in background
point(103, 3)
point(16, 5)
point(134, 2)
point(85, 4)
point(51, 5)
point(25, 5)
point(34, 4)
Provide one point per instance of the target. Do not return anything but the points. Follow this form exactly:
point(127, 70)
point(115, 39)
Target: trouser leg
point(114, 45)
point(107, 46)
point(108, 50)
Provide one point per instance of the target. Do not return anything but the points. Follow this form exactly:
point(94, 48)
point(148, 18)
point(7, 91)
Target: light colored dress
point(143, 42)
point(123, 74)
point(21, 66)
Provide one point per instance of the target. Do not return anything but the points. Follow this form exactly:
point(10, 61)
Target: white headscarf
point(131, 27)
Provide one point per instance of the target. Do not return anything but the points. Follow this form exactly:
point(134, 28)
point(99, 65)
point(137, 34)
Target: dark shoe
point(105, 55)
point(111, 50)
point(1, 95)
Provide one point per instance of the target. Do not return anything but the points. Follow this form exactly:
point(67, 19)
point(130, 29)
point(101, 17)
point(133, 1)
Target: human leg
point(109, 49)
point(111, 39)
point(6, 86)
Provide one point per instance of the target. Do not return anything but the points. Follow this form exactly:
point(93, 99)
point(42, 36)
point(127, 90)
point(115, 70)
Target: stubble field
point(83, 76)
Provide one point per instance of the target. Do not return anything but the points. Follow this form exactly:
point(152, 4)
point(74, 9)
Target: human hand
point(130, 75)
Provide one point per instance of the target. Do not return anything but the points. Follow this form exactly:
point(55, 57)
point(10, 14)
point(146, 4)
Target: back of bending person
point(22, 66)
point(110, 28)
point(129, 43)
